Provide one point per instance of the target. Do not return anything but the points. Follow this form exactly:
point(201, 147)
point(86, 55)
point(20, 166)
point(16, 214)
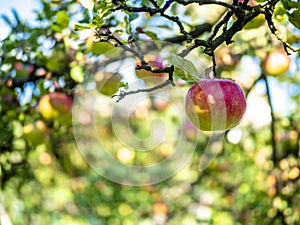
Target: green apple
point(107, 83)
point(36, 133)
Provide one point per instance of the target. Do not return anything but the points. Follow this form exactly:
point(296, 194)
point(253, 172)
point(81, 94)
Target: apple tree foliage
point(255, 179)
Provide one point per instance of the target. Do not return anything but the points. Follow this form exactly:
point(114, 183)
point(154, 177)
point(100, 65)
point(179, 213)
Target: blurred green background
point(255, 179)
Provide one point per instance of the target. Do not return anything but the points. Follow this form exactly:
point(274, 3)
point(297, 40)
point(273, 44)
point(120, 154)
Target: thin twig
point(224, 22)
point(148, 90)
point(252, 86)
point(273, 132)
point(214, 65)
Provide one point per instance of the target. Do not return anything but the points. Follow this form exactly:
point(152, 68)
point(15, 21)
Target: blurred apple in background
point(160, 208)
point(277, 62)
point(45, 158)
point(161, 101)
point(251, 2)
point(155, 62)
point(23, 70)
point(190, 130)
point(56, 106)
point(108, 83)
point(36, 133)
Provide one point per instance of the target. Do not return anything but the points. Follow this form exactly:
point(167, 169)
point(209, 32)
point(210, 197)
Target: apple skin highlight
point(215, 104)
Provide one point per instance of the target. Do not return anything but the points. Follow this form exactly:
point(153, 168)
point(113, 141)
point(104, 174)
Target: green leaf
point(99, 48)
point(160, 2)
point(294, 18)
point(98, 21)
point(152, 35)
point(7, 20)
point(279, 10)
point(288, 4)
point(77, 73)
point(104, 9)
point(184, 68)
point(133, 16)
point(79, 27)
point(125, 85)
point(16, 15)
point(127, 24)
point(56, 28)
point(62, 19)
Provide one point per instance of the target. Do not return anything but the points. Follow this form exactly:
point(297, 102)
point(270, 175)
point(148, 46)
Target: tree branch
point(123, 94)
point(196, 32)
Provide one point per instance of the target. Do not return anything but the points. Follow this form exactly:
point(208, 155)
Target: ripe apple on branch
point(215, 104)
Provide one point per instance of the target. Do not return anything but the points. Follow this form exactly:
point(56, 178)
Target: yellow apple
point(277, 62)
point(56, 105)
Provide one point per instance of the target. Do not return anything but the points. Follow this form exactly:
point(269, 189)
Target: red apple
point(23, 70)
point(251, 2)
point(160, 103)
point(18, 66)
point(215, 104)
point(277, 62)
point(56, 105)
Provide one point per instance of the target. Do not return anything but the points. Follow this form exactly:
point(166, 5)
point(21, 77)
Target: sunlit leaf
point(160, 2)
point(79, 27)
point(185, 68)
point(77, 73)
point(99, 48)
point(62, 19)
point(152, 35)
point(98, 21)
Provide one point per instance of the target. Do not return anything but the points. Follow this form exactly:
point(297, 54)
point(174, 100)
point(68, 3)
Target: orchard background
point(254, 179)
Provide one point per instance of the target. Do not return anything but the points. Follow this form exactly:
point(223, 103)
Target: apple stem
point(214, 66)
